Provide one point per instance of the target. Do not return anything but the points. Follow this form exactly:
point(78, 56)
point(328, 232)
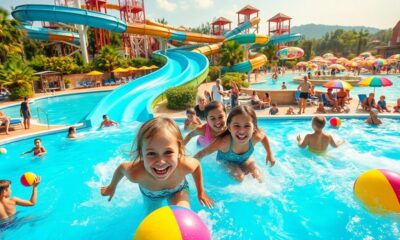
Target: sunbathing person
point(382, 105)
point(369, 102)
point(5, 120)
point(321, 108)
point(256, 102)
point(332, 100)
point(341, 98)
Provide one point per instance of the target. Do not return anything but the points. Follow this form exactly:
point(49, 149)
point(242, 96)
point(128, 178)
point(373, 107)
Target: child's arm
point(110, 189)
point(186, 125)
point(28, 151)
point(32, 201)
point(333, 143)
point(42, 152)
point(204, 199)
point(192, 134)
point(303, 143)
point(212, 147)
point(265, 143)
point(114, 122)
point(101, 125)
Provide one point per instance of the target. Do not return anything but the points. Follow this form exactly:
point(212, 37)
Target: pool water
point(303, 196)
point(391, 93)
point(61, 110)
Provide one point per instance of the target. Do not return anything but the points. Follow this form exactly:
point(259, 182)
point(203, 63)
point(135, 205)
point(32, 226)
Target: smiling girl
point(236, 145)
point(160, 167)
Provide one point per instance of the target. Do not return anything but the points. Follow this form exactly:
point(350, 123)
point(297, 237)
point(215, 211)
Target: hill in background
point(319, 30)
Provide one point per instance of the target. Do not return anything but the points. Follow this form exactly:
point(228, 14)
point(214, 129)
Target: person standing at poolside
point(217, 91)
point(304, 88)
point(25, 112)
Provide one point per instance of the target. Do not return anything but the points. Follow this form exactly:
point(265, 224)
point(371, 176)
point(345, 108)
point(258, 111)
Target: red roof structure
point(393, 47)
point(282, 24)
point(245, 14)
point(279, 17)
point(218, 26)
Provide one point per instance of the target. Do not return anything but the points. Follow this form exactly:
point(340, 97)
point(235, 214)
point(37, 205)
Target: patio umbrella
point(365, 54)
point(153, 67)
point(379, 62)
point(395, 57)
point(301, 64)
point(351, 64)
point(131, 68)
point(144, 68)
point(312, 65)
point(94, 73)
point(338, 84)
point(342, 60)
point(375, 81)
point(119, 70)
point(328, 55)
point(336, 66)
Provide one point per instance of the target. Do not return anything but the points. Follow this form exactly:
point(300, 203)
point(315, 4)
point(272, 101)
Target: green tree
point(162, 21)
point(204, 28)
point(65, 65)
point(362, 41)
point(17, 77)
point(11, 36)
point(231, 53)
point(108, 59)
point(269, 51)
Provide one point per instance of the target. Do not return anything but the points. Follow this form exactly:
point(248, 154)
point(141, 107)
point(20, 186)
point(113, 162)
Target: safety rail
point(39, 109)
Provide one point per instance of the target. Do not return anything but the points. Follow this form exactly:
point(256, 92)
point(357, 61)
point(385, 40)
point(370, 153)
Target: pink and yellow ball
point(379, 190)
point(335, 122)
point(172, 223)
point(28, 179)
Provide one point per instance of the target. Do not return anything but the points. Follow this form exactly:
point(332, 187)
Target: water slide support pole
point(83, 37)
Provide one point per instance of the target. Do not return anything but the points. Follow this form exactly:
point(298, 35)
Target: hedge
point(213, 72)
point(238, 78)
point(180, 98)
point(18, 92)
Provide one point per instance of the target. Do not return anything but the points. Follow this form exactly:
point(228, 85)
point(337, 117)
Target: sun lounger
point(325, 100)
point(361, 98)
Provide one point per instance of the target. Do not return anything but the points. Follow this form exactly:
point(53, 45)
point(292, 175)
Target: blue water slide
point(279, 39)
point(39, 33)
point(68, 15)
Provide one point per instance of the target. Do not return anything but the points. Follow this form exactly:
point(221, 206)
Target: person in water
point(107, 122)
point(236, 145)
point(72, 132)
point(8, 204)
point(160, 167)
point(191, 121)
point(38, 149)
point(373, 118)
point(318, 141)
point(216, 123)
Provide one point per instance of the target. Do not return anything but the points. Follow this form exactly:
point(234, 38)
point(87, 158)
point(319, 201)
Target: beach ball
point(28, 179)
point(379, 190)
point(335, 122)
point(3, 151)
point(172, 223)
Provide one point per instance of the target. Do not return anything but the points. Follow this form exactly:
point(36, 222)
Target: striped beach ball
point(28, 179)
point(335, 122)
point(172, 223)
point(379, 190)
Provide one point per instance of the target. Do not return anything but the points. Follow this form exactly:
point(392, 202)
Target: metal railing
point(39, 109)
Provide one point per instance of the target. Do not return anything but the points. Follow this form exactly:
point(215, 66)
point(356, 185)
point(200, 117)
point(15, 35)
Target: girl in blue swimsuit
point(236, 145)
point(160, 167)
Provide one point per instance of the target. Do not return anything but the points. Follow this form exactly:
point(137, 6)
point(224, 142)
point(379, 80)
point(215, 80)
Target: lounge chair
point(325, 101)
point(309, 100)
point(79, 85)
point(361, 99)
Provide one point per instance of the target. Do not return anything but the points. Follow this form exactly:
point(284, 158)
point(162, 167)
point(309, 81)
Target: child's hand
point(298, 138)
point(270, 159)
point(37, 181)
point(205, 200)
point(107, 191)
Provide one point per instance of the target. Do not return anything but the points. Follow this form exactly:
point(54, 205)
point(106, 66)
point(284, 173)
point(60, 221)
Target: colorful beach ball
point(3, 151)
point(335, 122)
point(28, 179)
point(379, 190)
point(172, 223)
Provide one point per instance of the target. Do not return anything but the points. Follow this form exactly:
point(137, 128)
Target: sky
point(381, 14)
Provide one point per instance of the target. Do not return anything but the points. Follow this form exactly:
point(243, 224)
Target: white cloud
point(204, 3)
point(184, 5)
point(166, 5)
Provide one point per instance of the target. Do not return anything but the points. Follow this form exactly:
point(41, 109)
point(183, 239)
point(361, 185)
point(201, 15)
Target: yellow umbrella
point(144, 68)
point(94, 73)
point(131, 68)
point(153, 67)
point(119, 70)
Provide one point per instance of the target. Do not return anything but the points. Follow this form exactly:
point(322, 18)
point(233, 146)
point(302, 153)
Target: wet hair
point(4, 184)
point(319, 121)
point(266, 94)
point(240, 110)
point(105, 115)
point(150, 128)
point(213, 105)
point(190, 111)
point(70, 129)
point(37, 139)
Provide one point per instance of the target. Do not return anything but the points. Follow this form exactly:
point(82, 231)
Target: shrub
point(18, 92)
point(213, 72)
point(138, 62)
point(180, 98)
point(238, 78)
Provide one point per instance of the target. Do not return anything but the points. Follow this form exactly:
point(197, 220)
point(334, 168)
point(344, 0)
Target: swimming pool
point(303, 197)
point(392, 93)
point(62, 110)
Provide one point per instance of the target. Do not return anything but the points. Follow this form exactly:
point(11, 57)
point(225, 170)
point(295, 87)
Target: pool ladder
point(39, 109)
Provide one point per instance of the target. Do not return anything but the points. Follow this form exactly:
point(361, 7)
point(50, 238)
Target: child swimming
point(318, 141)
point(236, 145)
point(72, 132)
point(215, 116)
point(192, 121)
point(38, 149)
point(107, 122)
point(373, 118)
point(160, 167)
point(8, 205)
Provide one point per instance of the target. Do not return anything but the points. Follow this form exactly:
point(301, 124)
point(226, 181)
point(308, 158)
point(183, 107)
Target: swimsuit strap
point(207, 132)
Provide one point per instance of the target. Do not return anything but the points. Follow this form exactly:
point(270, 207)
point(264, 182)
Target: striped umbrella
point(338, 84)
point(375, 81)
point(395, 57)
point(351, 64)
point(379, 62)
point(328, 55)
point(301, 64)
point(312, 65)
point(342, 60)
point(336, 66)
point(365, 54)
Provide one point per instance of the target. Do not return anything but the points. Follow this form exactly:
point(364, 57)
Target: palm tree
point(270, 51)
point(108, 59)
point(17, 77)
point(232, 53)
point(11, 37)
point(362, 40)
